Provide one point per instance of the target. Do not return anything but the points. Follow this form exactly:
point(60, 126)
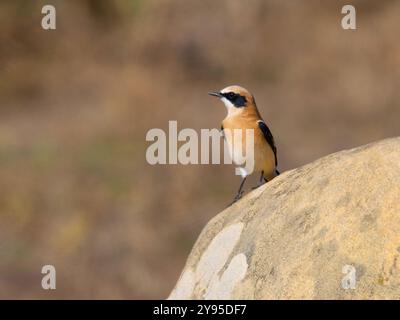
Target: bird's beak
point(215, 94)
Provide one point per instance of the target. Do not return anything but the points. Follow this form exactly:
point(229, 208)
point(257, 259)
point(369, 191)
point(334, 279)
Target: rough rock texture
point(328, 230)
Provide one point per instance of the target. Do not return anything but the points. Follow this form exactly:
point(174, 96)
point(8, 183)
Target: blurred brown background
point(76, 103)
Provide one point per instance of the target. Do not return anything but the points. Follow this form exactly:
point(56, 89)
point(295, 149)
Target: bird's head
point(236, 99)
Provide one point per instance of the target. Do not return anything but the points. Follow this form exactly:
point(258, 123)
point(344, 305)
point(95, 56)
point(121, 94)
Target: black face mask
point(237, 100)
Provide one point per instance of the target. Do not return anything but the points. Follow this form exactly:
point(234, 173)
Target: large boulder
point(327, 230)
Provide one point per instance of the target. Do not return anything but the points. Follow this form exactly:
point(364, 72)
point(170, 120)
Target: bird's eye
point(231, 95)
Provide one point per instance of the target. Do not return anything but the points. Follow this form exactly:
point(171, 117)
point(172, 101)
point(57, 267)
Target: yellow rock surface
point(300, 235)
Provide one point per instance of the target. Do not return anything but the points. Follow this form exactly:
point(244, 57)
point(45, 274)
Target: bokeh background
point(76, 104)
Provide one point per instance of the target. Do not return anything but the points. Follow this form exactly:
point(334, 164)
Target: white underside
point(243, 172)
point(230, 108)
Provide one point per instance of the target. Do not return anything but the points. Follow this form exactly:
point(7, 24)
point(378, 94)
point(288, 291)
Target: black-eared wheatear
point(243, 114)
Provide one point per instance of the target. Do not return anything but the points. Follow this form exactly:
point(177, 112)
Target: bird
point(242, 113)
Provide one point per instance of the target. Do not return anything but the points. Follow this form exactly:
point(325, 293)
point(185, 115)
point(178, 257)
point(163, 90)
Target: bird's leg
point(261, 178)
point(261, 182)
point(240, 191)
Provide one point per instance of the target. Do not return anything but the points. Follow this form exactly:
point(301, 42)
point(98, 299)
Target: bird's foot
point(238, 196)
point(259, 185)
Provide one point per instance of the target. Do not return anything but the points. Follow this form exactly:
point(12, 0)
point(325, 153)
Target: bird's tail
point(277, 172)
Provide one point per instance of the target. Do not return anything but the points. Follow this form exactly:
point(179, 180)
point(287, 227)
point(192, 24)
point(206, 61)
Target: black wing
point(268, 136)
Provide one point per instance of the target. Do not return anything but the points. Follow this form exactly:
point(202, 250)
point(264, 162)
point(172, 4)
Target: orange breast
point(264, 158)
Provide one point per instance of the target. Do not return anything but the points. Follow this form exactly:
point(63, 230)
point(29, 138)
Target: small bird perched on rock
point(243, 114)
